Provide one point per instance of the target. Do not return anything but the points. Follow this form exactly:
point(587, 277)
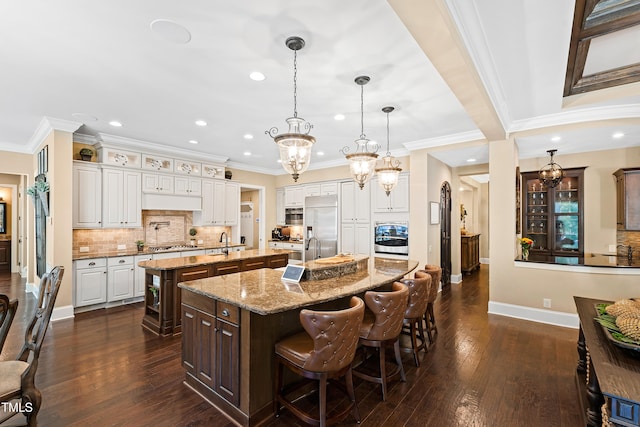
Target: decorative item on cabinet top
point(212, 171)
point(161, 164)
point(118, 157)
point(187, 168)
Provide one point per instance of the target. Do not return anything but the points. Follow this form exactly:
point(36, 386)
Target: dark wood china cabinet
point(554, 217)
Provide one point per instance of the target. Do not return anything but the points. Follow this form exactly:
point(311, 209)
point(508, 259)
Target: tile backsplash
point(161, 228)
point(628, 238)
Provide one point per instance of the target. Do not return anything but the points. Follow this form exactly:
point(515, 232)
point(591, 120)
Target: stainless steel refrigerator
point(321, 227)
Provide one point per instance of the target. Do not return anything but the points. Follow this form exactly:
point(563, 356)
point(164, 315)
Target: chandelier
point(294, 145)
point(389, 171)
point(551, 173)
point(362, 162)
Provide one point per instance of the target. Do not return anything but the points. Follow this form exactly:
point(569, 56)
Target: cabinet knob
point(104, 272)
point(92, 263)
point(225, 312)
point(122, 261)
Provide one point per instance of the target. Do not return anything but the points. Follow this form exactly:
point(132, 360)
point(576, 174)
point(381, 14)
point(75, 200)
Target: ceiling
point(104, 62)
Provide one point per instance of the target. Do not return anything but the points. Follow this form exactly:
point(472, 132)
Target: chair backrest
point(8, 310)
point(388, 309)
point(436, 276)
point(335, 336)
point(37, 329)
point(419, 289)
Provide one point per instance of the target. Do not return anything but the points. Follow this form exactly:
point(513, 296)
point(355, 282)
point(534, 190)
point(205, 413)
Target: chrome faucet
point(629, 251)
point(226, 242)
point(316, 246)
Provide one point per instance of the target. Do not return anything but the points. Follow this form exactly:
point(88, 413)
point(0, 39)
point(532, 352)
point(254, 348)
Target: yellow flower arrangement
point(526, 244)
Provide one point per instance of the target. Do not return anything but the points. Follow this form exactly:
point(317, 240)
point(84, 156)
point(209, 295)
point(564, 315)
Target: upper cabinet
point(553, 217)
point(231, 203)
point(321, 189)
point(87, 195)
point(187, 186)
point(121, 198)
point(220, 203)
point(355, 203)
point(396, 201)
point(627, 200)
point(294, 196)
point(157, 183)
point(280, 213)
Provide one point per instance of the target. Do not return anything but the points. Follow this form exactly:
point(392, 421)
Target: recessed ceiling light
point(556, 138)
point(461, 189)
point(115, 123)
point(257, 76)
point(471, 160)
point(84, 117)
point(247, 153)
point(248, 136)
point(279, 161)
point(193, 141)
point(320, 153)
point(201, 123)
point(339, 117)
point(171, 31)
point(618, 135)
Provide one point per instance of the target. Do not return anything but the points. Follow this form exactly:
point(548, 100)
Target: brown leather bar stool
point(419, 289)
point(381, 328)
point(324, 352)
point(429, 318)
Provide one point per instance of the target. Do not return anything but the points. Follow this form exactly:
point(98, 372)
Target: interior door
point(445, 233)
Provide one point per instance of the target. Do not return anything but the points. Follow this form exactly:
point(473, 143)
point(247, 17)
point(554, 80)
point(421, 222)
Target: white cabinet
point(280, 216)
point(218, 210)
point(231, 203)
point(293, 196)
point(396, 201)
point(120, 278)
point(140, 275)
point(321, 189)
point(187, 186)
point(87, 196)
point(89, 281)
point(121, 198)
point(156, 183)
point(311, 190)
point(205, 216)
point(356, 238)
point(355, 203)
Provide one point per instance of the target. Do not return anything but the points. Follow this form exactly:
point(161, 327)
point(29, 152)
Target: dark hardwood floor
point(102, 368)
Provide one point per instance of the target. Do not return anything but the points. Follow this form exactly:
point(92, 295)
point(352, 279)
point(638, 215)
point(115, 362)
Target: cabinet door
point(231, 203)
point(157, 183)
point(189, 338)
point(87, 197)
point(165, 184)
point(396, 201)
point(205, 348)
point(139, 285)
point(205, 216)
point(347, 201)
point(362, 203)
point(227, 379)
point(181, 185)
point(362, 244)
point(91, 286)
point(293, 196)
point(195, 187)
point(112, 201)
point(328, 188)
point(311, 190)
point(280, 215)
point(347, 238)
point(120, 282)
point(132, 200)
point(218, 203)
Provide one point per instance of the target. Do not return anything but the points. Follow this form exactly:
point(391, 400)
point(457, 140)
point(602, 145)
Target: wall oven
point(293, 216)
point(391, 238)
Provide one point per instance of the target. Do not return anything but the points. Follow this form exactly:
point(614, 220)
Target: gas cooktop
point(171, 248)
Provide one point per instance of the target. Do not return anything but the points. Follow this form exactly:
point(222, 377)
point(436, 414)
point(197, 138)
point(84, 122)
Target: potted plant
point(154, 291)
point(192, 233)
point(40, 189)
point(86, 154)
point(140, 245)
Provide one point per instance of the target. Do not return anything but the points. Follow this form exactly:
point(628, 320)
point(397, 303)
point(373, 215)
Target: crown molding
point(252, 168)
point(145, 146)
point(615, 112)
point(85, 139)
point(15, 148)
point(46, 126)
point(440, 141)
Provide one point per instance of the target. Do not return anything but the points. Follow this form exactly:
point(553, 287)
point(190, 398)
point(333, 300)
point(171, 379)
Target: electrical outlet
point(200, 241)
point(612, 248)
point(546, 302)
point(84, 249)
point(122, 247)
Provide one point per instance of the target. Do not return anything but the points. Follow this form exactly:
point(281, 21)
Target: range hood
point(170, 202)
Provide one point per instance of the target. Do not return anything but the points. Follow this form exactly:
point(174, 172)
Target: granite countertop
point(128, 252)
point(193, 261)
point(588, 260)
point(263, 292)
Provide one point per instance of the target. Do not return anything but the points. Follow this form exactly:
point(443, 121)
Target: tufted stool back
point(388, 312)
point(419, 289)
point(436, 276)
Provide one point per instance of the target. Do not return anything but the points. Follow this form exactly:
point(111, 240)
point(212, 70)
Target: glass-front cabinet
point(553, 217)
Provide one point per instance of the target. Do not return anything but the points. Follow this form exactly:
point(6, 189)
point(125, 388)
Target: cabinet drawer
point(228, 312)
point(91, 263)
point(278, 261)
point(120, 260)
point(253, 264)
point(199, 302)
point(194, 273)
point(227, 268)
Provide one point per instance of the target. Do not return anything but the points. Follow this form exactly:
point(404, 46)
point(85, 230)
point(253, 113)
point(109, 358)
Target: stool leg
point(432, 318)
point(414, 343)
point(422, 337)
point(278, 386)
point(323, 399)
point(427, 326)
point(396, 350)
point(383, 371)
point(348, 377)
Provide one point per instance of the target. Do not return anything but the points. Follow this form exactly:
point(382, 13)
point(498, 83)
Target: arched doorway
point(445, 232)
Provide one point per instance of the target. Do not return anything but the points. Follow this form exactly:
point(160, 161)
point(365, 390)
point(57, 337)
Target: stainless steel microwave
point(391, 238)
point(293, 216)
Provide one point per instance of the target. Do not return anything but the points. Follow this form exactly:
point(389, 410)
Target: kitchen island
point(231, 323)
point(162, 295)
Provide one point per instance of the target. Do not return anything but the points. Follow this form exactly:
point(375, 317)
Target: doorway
point(252, 215)
point(445, 233)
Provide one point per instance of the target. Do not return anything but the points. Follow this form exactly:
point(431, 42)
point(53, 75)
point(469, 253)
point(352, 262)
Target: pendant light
point(363, 161)
point(551, 173)
point(295, 145)
point(390, 171)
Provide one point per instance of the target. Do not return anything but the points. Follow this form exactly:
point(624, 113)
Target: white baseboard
point(456, 278)
point(32, 288)
point(484, 260)
point(59, 313)
point(550, 317)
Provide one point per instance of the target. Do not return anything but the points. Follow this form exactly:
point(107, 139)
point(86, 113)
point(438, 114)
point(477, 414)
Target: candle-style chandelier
point(390, 170)
point(551, 173)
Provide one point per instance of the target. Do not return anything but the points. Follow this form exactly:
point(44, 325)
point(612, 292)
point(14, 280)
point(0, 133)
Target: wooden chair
point(7, 313)
point(324, 352)
point(381, 329)
point(419, 289)
point(17, 376)
point(429, 317)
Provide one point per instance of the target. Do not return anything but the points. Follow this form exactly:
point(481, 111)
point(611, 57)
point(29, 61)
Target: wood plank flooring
point(104, 369)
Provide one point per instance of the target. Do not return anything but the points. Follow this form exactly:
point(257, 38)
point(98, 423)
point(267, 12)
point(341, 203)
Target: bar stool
point(429, 318)
point(419, 289)
point(324, 352)
point(381, 328)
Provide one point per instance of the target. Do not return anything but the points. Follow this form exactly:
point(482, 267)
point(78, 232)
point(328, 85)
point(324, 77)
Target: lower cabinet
point(120, 278)
point(139, 290)
point(356, 238)
point(90, 282)
point(469, 252)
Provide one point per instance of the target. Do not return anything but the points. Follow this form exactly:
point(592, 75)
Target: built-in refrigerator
point(320, 227)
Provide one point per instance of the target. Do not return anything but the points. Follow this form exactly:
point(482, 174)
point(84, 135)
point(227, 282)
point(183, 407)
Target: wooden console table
point(469, 252)
point(606, 374)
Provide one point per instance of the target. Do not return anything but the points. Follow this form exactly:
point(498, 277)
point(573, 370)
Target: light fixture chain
point(388, 152)
point(295, 83)
point(362, 135)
